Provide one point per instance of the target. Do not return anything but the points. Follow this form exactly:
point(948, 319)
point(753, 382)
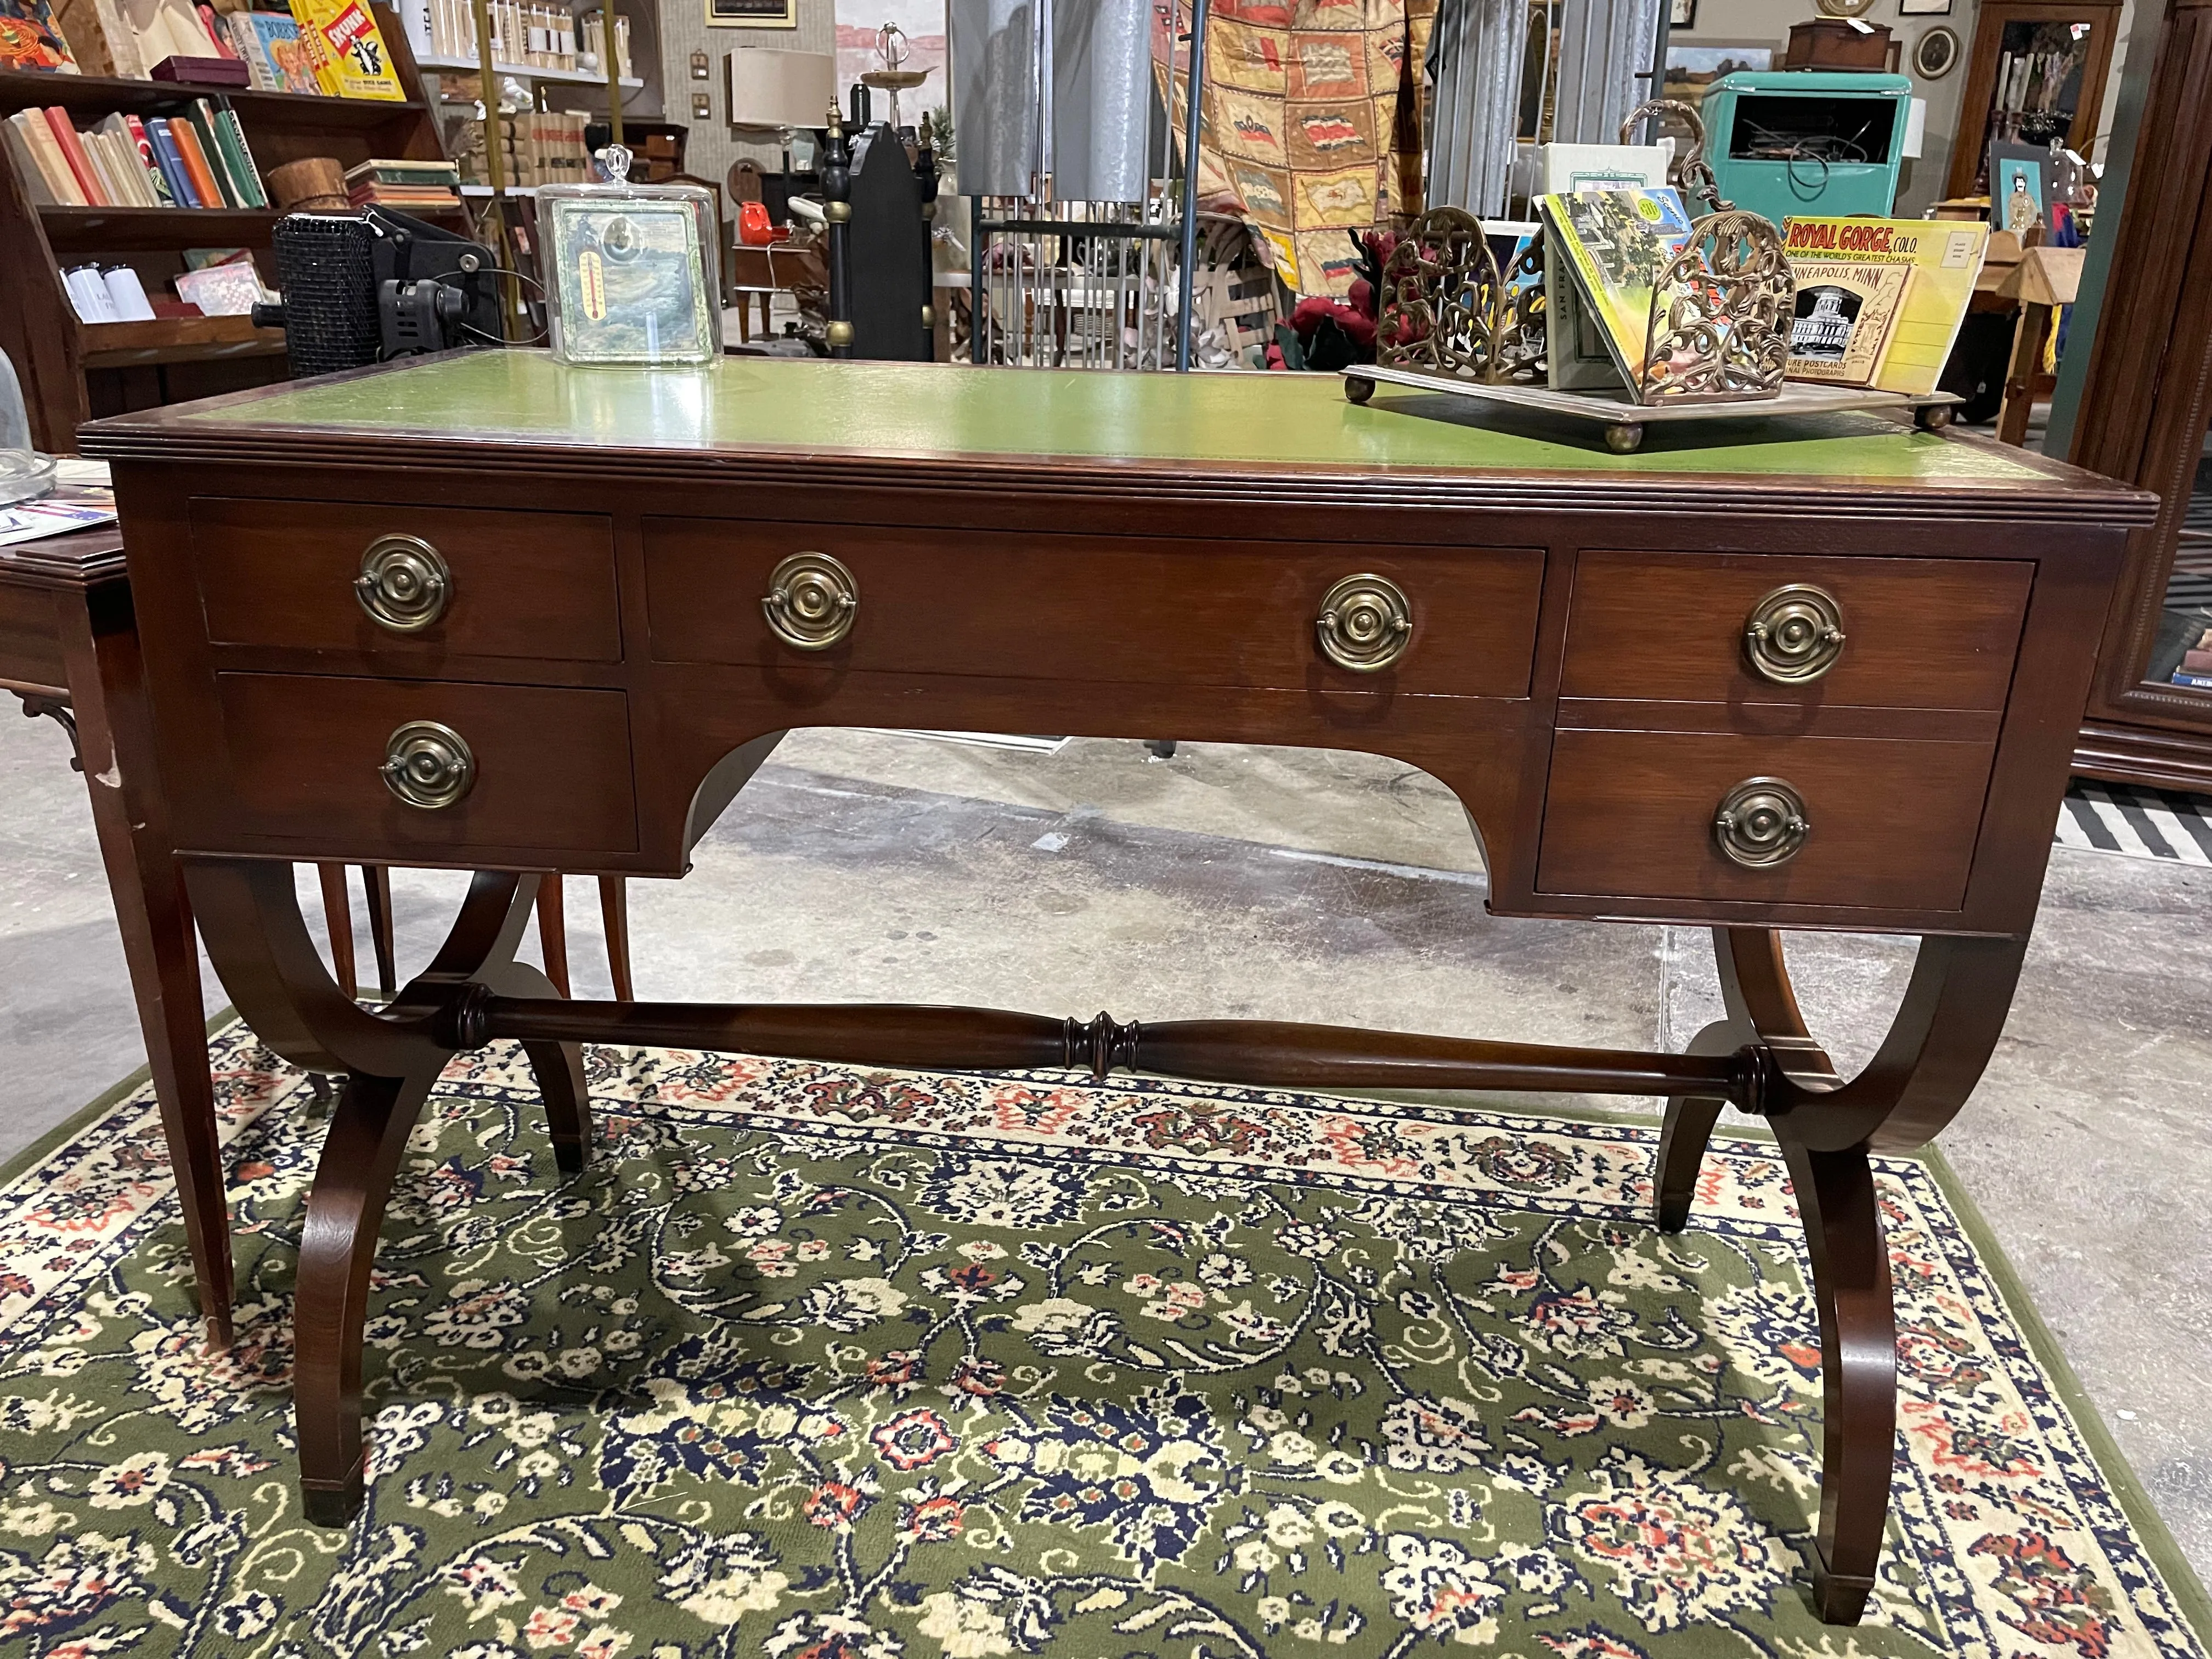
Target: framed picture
point(1690, 69)
point(1935, 53)
point(1924, 7)
point(2020, 187)
point(752, 14)
point(1681, 13)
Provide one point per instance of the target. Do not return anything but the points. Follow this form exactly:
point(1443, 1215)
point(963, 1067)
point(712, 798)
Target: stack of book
point(2195, 669)
point(539, 36)
point(195, 159)
point(404, 184)
point(542, 147)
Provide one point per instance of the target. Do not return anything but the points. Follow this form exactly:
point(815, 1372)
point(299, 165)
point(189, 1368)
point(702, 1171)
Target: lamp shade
point(768, 89)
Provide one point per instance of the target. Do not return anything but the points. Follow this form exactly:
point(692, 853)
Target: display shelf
point(100, 229)
point(440, 64)
point(177, 340)
point(97, 95)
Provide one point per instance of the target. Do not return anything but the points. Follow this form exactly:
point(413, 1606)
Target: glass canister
point(631, 266)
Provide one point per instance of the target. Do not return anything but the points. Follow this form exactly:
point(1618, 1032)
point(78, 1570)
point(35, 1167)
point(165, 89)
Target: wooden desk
point(1814, 681)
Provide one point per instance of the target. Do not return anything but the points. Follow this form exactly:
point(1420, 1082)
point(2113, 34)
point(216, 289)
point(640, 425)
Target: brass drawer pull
point(1761, 822)
point(812, 601)
point(1365, 623)
point(429, 765)
point(404, 584)
point(1795, 635)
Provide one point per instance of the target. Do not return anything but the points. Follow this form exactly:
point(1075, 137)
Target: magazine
point(1617, 244)
point(1943, 257)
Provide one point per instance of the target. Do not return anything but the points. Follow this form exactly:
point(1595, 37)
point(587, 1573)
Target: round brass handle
point(429, 765)
point(1795, 635)
point(1365, 623)
point(404, 584)
point(812, 601)
point(1761, 822)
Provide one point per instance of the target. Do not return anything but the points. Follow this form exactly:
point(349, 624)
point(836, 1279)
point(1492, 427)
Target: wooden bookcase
point(72, 371)
point(2003, 26)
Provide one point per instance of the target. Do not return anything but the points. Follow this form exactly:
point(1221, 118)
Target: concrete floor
point(1289, 884)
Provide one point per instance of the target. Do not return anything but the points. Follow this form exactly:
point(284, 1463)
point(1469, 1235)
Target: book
point(2195, 681)
point(238, 155)
point(1572, 167)
point(1843, 317)
point(274, 52)
point(36, 134)
point(172, 161)
point(102, 42)
point(416, 173)
point(347, 49)
point(2196, 662)
point(196, 165)
point(31, 38)
point(1616, 246)
point(36, 186)
point(225, 290)
point(1944, 256)
point(123, 147)
point(156, 180)
point(80, 164)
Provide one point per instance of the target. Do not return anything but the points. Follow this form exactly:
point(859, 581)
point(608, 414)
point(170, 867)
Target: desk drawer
point(546, 767)
point(1891, 824)
point(1095, 608)
point(1917, 633)
point(539, 584)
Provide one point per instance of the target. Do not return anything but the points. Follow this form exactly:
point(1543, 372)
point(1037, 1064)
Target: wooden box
point(1837, 43)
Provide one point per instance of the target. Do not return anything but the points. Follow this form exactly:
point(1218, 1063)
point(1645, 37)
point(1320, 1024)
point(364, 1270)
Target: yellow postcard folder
point(1945, 258)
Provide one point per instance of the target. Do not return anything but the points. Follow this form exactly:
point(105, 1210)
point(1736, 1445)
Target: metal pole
point(613, 56)
point(1194, 100)
point(495, 134)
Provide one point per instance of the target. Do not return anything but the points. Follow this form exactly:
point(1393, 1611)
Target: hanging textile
point(1312, 126)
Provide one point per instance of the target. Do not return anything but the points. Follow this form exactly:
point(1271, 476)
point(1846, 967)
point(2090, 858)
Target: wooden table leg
point(1938, 1046)
point(256, 933)
point(614, 910)
point(376, 886)
point(100, 643)
point(2027, 340)
point(338, 921)
point(553, 930)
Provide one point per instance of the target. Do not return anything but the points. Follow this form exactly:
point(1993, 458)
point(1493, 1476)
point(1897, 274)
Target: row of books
point(533, 35)
point(195, 159)
point(542, 147)
point(333, 47)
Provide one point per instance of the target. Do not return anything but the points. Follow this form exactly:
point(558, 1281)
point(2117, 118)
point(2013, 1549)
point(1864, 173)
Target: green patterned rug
point(822, 1363)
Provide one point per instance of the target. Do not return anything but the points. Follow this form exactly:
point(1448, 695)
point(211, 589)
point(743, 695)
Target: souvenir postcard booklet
point(1616, 247)
point(1844, 315)
point(1944, 256)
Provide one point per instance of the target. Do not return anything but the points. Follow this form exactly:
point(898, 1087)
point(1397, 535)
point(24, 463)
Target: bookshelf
point(72, 371)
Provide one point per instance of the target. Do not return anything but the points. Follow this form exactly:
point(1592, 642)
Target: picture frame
point(1681, 13)
point(2020, 186)
point(1924, 7)
point(1690, 69)
point(1935, 53)
point(752, 14)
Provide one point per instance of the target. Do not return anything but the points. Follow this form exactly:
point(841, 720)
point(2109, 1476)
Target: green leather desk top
point(906, 411)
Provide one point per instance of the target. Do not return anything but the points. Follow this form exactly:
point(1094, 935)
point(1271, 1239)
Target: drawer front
point(1225, 613)
point(549, 768)
point(539, 585)
point(1891, 824)
point(1917, 633)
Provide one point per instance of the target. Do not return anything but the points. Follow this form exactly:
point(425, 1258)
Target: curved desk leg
point(345, 1208)
point(259, 942)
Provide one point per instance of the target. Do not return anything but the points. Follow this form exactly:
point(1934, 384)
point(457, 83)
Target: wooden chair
point(552, 927)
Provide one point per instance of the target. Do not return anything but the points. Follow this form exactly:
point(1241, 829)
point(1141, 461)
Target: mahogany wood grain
point(551, 765)
point(1223, 613)
point(539, 585)
point(1918, 634)
point(1892, 823)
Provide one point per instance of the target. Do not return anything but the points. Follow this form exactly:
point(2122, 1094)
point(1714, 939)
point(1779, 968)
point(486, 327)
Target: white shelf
point(524, 71)
point(512, 190)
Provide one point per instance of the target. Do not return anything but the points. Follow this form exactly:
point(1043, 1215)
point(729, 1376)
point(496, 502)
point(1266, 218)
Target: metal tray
point(1624, 422)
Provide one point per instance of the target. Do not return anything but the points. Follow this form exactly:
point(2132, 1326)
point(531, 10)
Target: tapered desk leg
point(553, 930)
point(614, 910)
point(376, 888)
point(338, 920)
point(100, 644)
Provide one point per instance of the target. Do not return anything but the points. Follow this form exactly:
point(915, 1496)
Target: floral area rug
point(822, 1363)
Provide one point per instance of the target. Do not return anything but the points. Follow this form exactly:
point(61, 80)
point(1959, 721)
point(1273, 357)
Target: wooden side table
point(68, 648)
